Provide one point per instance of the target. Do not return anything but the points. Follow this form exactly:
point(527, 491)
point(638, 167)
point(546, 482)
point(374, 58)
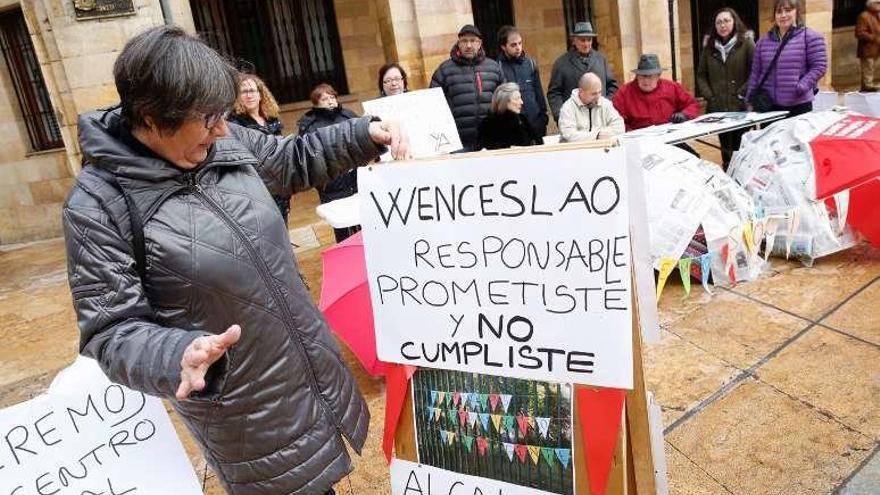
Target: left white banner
point(88, 436)
point(409, 478)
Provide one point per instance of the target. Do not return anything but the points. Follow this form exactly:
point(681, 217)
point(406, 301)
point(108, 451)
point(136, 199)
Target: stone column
point(419, 33)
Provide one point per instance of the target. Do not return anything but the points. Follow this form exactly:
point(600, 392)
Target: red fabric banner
point(600, 411)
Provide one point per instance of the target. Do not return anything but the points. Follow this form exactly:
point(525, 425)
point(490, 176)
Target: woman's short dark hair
point(739, 28)
point(385, 68)
point(792, 4)
point(319, 91)
point(169, 76)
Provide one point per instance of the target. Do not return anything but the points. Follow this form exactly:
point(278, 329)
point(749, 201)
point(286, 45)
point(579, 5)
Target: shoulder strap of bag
point(775, 59)
point(137, 224)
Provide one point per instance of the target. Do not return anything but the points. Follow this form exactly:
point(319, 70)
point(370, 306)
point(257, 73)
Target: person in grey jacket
point(570, 66)
point(182, 275)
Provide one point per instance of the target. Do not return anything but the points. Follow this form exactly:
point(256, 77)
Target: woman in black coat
point(256, 108)
point(327, 111)
point(505, 125)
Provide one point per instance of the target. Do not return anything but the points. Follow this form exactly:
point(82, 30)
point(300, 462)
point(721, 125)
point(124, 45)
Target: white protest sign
point(425, 117)
point(87, 436)
point(409, 478)
point(513, 265)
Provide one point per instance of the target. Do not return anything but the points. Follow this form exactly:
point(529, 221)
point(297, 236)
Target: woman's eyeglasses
point(392, 80)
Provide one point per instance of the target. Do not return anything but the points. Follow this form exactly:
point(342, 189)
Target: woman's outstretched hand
point(199, 356)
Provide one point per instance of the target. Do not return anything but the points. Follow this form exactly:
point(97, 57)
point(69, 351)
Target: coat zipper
point(197, 190)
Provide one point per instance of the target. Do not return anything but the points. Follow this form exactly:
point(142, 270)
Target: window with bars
point(846, 12)
point(576, 11)
point(27, 79)
point(293, 45)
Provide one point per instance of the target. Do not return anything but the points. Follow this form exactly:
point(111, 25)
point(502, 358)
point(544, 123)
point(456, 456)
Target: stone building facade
point(76, 58)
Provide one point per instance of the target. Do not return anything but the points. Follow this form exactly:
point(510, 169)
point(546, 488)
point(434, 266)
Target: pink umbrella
point(345, 301)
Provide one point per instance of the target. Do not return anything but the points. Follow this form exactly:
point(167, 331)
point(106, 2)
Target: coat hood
point(455, 55)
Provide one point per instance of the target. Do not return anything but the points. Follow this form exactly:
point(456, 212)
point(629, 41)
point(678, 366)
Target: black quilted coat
point(468, 86)
point(277, 406)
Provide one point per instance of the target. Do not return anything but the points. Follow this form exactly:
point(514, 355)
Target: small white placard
point(87, 435)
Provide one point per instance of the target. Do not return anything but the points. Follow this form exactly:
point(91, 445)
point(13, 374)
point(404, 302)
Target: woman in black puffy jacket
point(506, 126)
point(327, 111)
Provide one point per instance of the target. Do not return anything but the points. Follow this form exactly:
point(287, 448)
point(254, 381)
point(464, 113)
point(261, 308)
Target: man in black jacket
point(468, 80)
point(580, 59)
point(523, 70)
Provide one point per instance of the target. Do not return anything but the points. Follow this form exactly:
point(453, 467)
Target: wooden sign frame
point(632, 471)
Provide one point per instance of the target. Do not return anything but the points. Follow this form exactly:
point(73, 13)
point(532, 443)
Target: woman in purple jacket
point(792, 82)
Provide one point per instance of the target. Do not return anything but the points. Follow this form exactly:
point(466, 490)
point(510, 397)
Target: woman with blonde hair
point(505, 125)
point(255, 108)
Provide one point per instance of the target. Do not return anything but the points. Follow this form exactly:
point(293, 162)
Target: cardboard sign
point(425, 117)
point(88, 436)
point(409, 478)
point(512, 265)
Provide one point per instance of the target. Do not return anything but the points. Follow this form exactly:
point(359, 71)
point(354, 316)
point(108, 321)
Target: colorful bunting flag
point(508, 448)
point(520, 451)
point(484, 420)
point(729, 264)
point(452, 415)
point(463, 417)
point(523, 423)
point(684, 268)
point(433, 397)
point(482, 444)
point(747, 238)
point(543, 426)
point(548, 454)
point(531, 422)
point(493, 401)
point(666, 267)
point(534, 453)
point(505, 401)
point(484, 402)
point(705, 270)
point(443, 436)
point(436, 413)
point(564, 455)
point(456, 397)
point(496, 420)
point(473, 418)
point(468, 441)
point(429, 413)
point(440, 398)
point(451, 437)
point(508, 423)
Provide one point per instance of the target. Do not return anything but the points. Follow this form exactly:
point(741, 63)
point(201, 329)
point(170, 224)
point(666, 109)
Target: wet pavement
point(766, 388)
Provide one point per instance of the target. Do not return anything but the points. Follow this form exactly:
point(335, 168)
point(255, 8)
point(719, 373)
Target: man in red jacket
point(649, 100)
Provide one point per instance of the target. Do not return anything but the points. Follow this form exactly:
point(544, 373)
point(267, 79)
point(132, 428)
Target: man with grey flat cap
point(580, 59)
point(650, 100)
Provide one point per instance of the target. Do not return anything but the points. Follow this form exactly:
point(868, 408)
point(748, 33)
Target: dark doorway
point(703, 23)
point(489, 16)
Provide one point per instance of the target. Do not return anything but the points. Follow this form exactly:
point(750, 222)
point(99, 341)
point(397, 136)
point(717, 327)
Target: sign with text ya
point(513, 265)
point(409, 478)
point(87, 436)
point(425, 117)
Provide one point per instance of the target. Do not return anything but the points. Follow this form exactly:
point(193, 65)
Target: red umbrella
point(846, 156)
point(345, 301)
